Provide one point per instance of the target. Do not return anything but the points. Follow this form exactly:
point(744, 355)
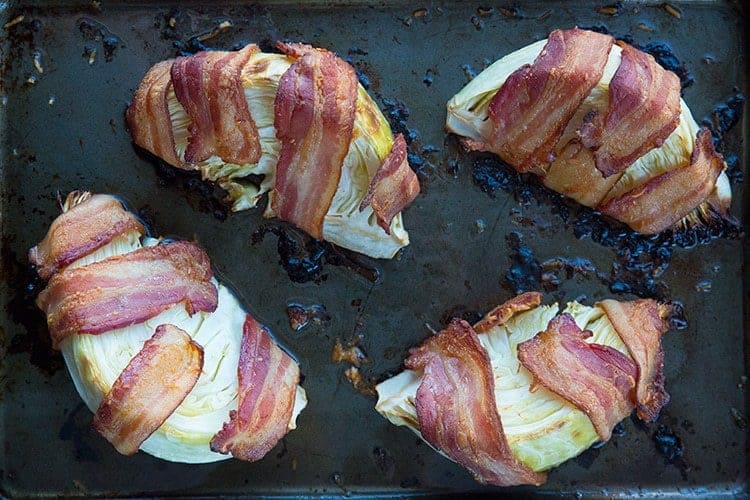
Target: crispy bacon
point(644, 108)
point(640, 324)
point(502, 313)
point(394, 186)
point(596, 378)
point(149, 389)
point(148, 114)
point(664, 200)
point(209, 87)
point(127, 289)
point(536, 102)
point(268, 380)
point(314, 119)
point(574, 174)
point(82, 229)
point(456, 407)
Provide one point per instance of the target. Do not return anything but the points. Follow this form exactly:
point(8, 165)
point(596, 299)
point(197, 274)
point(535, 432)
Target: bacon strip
point(148, 114)
point(268, 380)
point(127, 289)
point(314, 119)
point(640, 324)
point(82, 229)
point(209, 87)
point(502, 313)
point(536, 102)
point(644, 108)
point(149, 389)
point(456, 407)
point(393, 187)
point(664, 200)
point(574, 174)
point(596, 378)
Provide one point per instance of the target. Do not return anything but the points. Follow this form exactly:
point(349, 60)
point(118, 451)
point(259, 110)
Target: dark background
point(470, 249)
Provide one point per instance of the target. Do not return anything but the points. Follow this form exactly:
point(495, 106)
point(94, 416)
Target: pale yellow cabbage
point(542, 429)
point(95, 362)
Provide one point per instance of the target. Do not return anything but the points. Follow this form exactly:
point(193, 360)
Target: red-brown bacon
point(664, 200)
point(268, 380)
point(394, 186)
point(597, 379)
point(209, 87)
point(643, 109)
point(314, 119)
point(148, 115)
point(456, 407)
point(91, 223)
point(536, 102)
point(128, 289)
point(502, 313)
point(150, 389)
point(640, 324)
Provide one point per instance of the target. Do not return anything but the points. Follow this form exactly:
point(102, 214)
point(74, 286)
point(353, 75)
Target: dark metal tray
point(63, 129)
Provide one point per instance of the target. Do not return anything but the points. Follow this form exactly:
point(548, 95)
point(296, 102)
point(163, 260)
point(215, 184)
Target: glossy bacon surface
point(209, 88)
point(640, 324)
point(148, 114)
point(506, 310)
point(662, 201)
point(268, 379)
point(597, 379)
point(149, 389)
point(536, 102)
point(83, 228)
point(314, 119)
point(127, 289)
point(394, 186)
point(644, 108)
point(456, 407)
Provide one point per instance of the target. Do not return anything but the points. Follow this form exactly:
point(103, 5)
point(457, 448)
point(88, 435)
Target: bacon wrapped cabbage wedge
point(600, 122)
point(529, 387)
point(295, 125)
point(162, 353)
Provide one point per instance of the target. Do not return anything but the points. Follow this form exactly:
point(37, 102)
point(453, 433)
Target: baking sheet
point(63, 129)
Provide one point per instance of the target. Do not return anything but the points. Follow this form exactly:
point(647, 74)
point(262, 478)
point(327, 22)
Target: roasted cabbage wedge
point(542, 429)
point(346, 223)
point(645, 192)
point(95, 361)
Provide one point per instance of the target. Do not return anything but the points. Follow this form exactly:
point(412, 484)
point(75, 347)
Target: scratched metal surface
point(66, 131)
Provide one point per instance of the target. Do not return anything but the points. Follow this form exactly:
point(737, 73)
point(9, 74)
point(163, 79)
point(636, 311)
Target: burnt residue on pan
point(94, 31)
point(24, 33)
point(639, 260)
point(304, 258)
point(21, 308)
point(302, 316)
